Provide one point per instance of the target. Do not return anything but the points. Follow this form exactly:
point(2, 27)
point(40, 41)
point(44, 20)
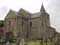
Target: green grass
point(38, 43)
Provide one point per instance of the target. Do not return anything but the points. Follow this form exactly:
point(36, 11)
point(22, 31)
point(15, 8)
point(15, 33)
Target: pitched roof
point(23, 12)
point(11, 13)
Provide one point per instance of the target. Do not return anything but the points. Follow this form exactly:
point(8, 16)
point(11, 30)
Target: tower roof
point(42, 8)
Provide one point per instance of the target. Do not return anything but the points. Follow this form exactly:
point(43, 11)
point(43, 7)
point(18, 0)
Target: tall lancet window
point(22, 22)
point(30, 24)
point(42, 24)
point(9, 23)
point(27, 35)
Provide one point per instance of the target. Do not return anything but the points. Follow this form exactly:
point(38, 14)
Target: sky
point(52, 7)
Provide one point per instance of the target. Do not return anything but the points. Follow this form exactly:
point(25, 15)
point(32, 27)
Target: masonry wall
point(36, 28)
point(22, 26)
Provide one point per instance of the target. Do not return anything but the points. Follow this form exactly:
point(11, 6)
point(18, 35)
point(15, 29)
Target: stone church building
point(29, 26)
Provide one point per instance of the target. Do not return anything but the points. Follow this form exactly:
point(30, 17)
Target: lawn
point(38, 43)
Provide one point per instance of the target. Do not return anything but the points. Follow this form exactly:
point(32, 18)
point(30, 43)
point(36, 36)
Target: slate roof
point(36, 14)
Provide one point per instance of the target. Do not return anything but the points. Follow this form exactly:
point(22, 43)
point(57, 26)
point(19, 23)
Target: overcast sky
point(51, 6)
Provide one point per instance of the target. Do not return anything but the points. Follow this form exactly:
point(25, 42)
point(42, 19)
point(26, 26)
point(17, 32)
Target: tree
point(1, 23)
point(1, 32)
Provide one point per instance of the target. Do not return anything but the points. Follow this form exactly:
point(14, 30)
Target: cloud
point(3, 11)
point(53, 9)
point(1, 1)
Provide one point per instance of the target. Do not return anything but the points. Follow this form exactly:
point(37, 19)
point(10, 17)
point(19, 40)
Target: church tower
point(45, 15)
point(45, 22)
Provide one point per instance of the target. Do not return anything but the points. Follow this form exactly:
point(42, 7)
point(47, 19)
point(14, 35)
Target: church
point(26, 25)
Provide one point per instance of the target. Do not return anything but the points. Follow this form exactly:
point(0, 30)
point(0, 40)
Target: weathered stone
point(29, 26)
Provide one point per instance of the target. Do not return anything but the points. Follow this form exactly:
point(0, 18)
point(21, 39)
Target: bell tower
point(45, 16)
